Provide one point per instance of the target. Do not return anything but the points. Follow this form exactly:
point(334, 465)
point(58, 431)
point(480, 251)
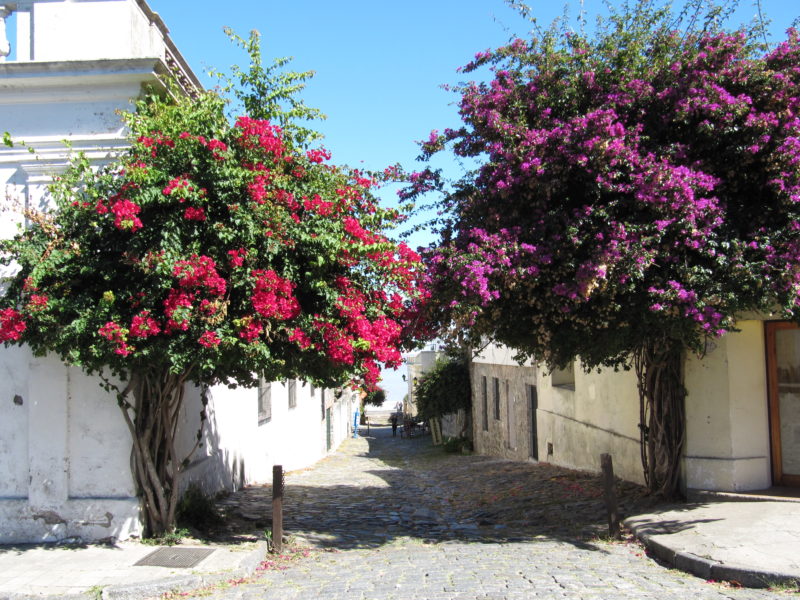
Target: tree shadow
point(417, 492)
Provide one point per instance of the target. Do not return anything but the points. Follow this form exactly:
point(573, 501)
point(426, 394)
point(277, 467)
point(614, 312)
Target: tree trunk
point(467, 431)
point(662, 425)
point(153, 420)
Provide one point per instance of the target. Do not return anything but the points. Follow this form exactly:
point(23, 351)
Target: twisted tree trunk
point(152, 419)
point(662, 424)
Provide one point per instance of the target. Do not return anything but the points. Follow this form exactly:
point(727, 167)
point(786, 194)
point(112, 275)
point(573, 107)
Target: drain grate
point(182, 558)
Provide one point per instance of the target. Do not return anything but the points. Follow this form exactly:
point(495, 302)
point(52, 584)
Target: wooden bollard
point(277, 508)
point(610, 493)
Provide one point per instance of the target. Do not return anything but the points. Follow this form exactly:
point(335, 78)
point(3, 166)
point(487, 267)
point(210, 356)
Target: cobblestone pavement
point(389, 518)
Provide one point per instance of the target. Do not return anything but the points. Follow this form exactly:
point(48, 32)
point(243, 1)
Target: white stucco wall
point(59, 30)
point(600, 415)
point(64, 464)
point(239, 450)
point(65, 449)
point(727, 422)
point(416, 366)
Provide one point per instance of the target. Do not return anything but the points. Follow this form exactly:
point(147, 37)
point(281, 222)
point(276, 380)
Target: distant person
point(398, 407)
point(393, 421)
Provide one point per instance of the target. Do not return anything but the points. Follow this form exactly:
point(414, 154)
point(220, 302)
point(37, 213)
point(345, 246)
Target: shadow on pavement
point(381, 489)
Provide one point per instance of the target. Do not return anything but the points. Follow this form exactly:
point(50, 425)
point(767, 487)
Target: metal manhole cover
point(182, 558)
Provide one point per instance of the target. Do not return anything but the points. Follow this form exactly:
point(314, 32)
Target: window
point(292, 385)
point(485, 397)
point(564, 377)
point(264, 401)
point(496, 387)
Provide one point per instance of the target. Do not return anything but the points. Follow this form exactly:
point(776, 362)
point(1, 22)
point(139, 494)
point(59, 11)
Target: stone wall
point(453, 424)
point(501, 410)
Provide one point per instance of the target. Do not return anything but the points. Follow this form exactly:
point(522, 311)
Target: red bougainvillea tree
point(637, 190)
point(209, 252)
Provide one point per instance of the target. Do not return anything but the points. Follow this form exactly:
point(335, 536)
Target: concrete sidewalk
point(745, 538)
point(111, 572)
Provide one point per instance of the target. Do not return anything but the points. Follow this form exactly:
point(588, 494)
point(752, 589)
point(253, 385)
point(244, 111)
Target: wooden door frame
point(778, 476)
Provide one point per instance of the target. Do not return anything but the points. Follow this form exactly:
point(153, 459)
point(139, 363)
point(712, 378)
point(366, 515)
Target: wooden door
point(783, 378)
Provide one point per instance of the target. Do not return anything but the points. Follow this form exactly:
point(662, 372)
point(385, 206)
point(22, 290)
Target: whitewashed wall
point(239, 449)
point(727, 421)
point(64, 455)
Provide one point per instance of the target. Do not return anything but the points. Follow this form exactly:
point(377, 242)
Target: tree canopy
point(443, 390)
point(211, 251)
point(637, 190)
point(638, 183)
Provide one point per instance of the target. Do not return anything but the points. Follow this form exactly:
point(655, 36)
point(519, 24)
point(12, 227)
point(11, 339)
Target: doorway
point(783, 379)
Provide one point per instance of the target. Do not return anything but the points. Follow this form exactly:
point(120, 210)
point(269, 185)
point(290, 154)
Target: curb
point(701, 496)
point(137, 591)
point(706, 568)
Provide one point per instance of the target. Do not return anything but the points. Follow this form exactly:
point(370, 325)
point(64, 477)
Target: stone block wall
point(502, 419)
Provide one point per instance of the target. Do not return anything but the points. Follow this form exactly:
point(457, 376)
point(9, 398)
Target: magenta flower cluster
point(660, 197)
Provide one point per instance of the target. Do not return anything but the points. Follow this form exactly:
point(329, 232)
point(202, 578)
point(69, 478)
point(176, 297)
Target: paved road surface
point(391, 518)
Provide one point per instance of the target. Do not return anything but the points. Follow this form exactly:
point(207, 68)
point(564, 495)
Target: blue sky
point(379, 65)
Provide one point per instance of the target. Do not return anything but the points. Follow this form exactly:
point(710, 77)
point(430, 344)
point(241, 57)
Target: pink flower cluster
point(611, 202)
point(125, 215)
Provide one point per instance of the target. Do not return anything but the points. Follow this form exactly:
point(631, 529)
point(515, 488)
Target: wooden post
point(436, 431)
point(610, 493)
point(277, 508)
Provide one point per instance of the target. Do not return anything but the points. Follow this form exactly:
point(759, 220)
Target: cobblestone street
point(395, 518)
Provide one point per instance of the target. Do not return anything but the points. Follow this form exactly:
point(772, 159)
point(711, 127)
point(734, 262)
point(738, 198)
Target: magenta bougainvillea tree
point(637, 189)
point(210, 252)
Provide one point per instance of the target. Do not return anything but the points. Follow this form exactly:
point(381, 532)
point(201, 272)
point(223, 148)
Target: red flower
point(37, 303)
point(143, 325)
point(179, 184)
point(317, 156)
point(301, 338)
point(237, 257)
point(194, 214)
point(200, 271)
point(273, 296)
point(114, 333)
point(209, 339)
point(12, 325)
point(251, 330)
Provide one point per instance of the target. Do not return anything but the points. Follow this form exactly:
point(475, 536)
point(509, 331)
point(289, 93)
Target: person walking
point(393, 421)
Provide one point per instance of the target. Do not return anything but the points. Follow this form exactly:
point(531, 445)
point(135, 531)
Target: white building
point(417, 365)
point(742, 412)
point(64, 448)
